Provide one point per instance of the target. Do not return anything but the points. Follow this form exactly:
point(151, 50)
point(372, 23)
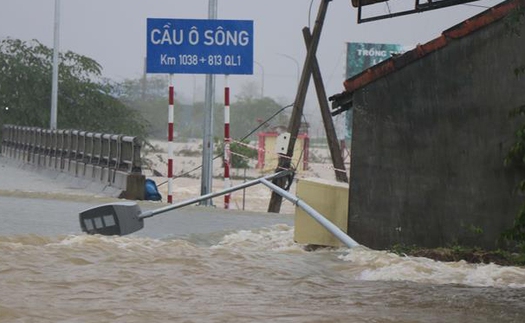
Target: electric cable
point(243, 138)
point(310, 14)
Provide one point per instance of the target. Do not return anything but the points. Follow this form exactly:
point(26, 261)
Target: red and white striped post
point(170, 139)
point(227, 141)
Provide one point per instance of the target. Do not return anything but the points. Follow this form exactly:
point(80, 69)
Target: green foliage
point(519, 70)
point(517, 232)
point(237, 149)
point(149, 97)
point(476, 230)
point(516, 155)
point(145, 89)
point(514, 21)
point(85, 100)
point(457, 252)
point(516, 158)
point(248, 113)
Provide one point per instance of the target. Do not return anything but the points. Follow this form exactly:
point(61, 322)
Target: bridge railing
point(93, 155)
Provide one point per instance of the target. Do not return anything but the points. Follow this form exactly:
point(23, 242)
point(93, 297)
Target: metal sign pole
point(207, 143)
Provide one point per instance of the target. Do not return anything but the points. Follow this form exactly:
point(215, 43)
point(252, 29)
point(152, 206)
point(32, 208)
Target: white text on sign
point(218, 37)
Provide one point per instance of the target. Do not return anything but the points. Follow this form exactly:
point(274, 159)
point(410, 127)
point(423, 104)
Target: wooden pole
point(331, 135)
point(295, 120)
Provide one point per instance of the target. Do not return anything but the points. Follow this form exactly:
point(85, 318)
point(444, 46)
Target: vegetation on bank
point(516, 155)
point(247, 111)
point(86, 100)
point(468, 254)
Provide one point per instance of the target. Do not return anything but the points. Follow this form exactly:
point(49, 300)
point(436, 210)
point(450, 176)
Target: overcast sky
point(113, 32)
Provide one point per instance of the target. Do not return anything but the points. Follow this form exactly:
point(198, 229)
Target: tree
point(150, 98)
point(248, 113)
point(85, 99)
point(241, 153)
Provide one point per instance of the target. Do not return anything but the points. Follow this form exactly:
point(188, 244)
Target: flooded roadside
point(207, 265)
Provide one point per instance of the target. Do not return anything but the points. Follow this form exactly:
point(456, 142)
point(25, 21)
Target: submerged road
point(201, 264)
point(51, 206)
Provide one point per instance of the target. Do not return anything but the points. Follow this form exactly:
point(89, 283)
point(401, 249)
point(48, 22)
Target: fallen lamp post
point(123, 218)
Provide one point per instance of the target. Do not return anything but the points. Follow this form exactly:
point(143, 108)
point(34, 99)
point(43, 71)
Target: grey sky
point(113, 32)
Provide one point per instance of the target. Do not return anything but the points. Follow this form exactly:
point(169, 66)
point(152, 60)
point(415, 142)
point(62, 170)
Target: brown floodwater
point(205, 266)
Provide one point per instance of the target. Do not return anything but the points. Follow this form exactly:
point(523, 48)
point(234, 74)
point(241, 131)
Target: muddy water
point(212, 270)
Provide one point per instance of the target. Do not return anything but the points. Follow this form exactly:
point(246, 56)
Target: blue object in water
point(152, 193)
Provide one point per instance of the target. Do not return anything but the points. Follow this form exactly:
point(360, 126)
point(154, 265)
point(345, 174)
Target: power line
point(242, 139)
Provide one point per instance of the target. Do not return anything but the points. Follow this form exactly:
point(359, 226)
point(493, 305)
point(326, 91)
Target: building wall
point(429, 142)
point(268, 158)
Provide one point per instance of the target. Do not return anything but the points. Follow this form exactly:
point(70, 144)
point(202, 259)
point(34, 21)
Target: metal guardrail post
point(106, 149)
point(88, 153)
point(4, 141)
point(97, 147)
point(54, 148)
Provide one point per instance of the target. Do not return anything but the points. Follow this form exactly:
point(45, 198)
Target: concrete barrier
point(329, 198)
point(109, 159)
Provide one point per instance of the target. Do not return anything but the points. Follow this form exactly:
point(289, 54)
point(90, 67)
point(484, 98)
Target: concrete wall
point(429, 142)
point(329, 198)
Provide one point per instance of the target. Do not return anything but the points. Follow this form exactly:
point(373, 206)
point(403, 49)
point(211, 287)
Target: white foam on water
point(371, 265)
point(276, 238)
point(128, 245)
point(361, 263)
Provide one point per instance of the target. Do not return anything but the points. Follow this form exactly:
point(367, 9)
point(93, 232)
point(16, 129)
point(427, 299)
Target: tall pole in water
point(54, 86)
point(207, 143)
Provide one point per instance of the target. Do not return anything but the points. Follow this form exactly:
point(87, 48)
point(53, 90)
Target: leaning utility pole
point(295, 121)
point(331, 135)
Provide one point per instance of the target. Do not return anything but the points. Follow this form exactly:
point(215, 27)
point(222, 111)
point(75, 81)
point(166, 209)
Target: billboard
point(359, 57)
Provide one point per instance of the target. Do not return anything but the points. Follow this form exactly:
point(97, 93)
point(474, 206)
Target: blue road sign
point(197, 46)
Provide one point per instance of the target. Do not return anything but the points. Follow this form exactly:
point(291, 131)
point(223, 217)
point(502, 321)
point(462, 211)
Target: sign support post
point(227, 141)
point(207, 141)
point(198, 46)
point(171, 100)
